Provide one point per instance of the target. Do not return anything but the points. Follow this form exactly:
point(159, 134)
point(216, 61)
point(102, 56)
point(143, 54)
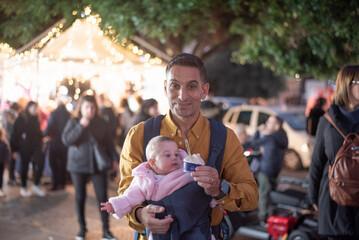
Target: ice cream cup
point(190, 167)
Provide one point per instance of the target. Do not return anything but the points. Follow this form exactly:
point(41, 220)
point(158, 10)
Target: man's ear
point(205, 90)
point(165, 86)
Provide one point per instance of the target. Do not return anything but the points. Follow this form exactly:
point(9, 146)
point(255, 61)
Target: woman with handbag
point(87, 136)
point(335, 221)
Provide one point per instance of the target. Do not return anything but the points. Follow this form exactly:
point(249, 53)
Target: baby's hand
point(107, 207)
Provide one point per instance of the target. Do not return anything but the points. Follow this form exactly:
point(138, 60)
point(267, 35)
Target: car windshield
point(297, 121)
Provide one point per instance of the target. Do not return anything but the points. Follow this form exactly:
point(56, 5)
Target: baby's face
point(167, 159)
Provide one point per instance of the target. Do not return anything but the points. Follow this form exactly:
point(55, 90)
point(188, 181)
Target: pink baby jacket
point(144, 187)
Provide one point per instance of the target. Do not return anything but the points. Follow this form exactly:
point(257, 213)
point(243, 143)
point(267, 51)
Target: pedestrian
point(4, 158)
point(27, 140)
point(10, 115)
point(233, 189)
point(78, 136)
point(315, 113)
point(125, 120)
point(149, 108)
point(108, 113)
point(273, 141)
point(57, 150)
point(335, 221)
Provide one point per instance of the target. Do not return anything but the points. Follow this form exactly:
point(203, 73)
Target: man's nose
point(182, 94)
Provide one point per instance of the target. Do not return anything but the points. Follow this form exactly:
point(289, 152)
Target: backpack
point(231, 220)
point(343, 174)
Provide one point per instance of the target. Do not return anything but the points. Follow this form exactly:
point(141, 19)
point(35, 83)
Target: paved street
point(53, 217)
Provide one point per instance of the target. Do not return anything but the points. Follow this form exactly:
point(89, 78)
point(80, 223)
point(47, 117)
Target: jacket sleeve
point(49, 131)
point(131, 157)
point(235, 170)
point(319, 160)
point(71, 132)
point(132, 197)
point(110, 147)
point(15, 135)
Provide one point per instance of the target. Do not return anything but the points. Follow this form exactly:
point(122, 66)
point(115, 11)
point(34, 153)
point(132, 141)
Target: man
point(108, 113)
point(315, 113)
point(9, 118)
point(273, 142)
point(185, 86)
point(57, 150)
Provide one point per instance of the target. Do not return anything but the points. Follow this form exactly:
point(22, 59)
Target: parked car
point(298, 154)
point(216, 106)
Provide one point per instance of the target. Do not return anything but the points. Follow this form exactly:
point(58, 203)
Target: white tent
point(81, 53)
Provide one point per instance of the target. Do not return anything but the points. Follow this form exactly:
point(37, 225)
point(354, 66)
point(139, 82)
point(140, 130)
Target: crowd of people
point(31, 139)
point(159, 199)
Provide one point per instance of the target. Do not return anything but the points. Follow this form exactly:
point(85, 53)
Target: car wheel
point(292, 160)
point(298, 235)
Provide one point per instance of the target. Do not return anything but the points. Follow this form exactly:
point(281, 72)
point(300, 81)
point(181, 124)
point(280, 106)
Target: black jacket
point(26, 135)
point(55, 125)
point(275, 146)
point(333, 219)
point(80, 157)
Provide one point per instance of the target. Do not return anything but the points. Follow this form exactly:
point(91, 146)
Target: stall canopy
point(81, 55)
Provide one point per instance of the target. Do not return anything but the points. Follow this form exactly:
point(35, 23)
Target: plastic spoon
point(187, 146)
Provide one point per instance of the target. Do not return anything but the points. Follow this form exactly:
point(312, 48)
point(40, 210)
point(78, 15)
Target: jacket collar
point(195, 130)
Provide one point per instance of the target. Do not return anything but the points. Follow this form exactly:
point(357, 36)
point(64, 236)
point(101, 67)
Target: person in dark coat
point(335, 221)
point(27, 140)
point(4, 158)
point(273, 141)
point(9, 118)
point(315, 113)
point(78, 135)
point(57, 150)
point(149, 108)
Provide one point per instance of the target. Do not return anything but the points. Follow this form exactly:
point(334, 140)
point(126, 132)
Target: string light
point(93, 19)
point(6, 50)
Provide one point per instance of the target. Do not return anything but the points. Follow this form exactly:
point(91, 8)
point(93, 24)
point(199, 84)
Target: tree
point(305, 37)
point(227, 78)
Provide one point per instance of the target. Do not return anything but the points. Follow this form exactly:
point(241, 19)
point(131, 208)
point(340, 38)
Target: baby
point(153, 180)
point(158, 178)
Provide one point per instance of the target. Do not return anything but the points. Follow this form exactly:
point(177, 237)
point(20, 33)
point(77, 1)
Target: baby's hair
point(152, 146)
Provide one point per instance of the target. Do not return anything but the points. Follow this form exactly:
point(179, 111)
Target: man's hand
point(315, 206)
point(207, 177)
point(147, 217)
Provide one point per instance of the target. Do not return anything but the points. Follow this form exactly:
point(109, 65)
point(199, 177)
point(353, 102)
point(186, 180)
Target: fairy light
point(87, 10)
point(6, 50)
point(93, 19)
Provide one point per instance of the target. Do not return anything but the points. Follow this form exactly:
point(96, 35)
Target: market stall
point(81, 57)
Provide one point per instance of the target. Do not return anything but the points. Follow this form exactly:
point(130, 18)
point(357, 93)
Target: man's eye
point(194, 86)
point(175, 86)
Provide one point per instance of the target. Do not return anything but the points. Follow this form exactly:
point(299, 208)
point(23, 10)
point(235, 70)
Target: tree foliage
point(305, 37)
point(227, 78)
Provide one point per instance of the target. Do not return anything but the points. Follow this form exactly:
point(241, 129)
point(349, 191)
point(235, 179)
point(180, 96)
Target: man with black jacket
point(273, 142)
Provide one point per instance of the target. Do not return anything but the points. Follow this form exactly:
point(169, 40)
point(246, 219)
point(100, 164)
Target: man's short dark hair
point(188, 60)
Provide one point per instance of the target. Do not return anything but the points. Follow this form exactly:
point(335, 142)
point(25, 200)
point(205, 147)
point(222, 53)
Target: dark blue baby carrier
point(194, 223)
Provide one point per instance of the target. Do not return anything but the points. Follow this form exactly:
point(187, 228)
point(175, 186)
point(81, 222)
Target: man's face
point(185, 90)
point(272, 124)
